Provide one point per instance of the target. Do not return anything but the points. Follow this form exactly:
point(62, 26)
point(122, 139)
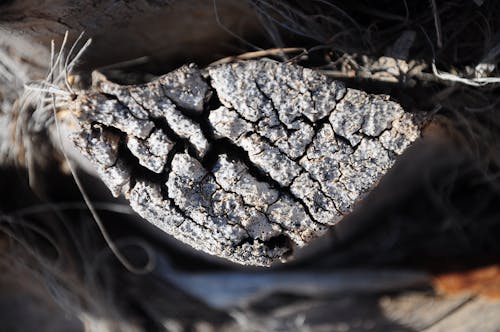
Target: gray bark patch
point(245, 162)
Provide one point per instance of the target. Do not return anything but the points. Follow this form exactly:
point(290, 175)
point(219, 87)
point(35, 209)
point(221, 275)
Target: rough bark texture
point(242, 160)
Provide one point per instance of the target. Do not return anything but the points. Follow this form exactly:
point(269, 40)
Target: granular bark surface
point(241, 160)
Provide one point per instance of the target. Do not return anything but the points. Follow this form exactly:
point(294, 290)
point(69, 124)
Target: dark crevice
point(235, 153)
point(199, 118)
point(181, 144)
point(346, 141)
point(137, 171)
point(249, 240)
point(312, 94)
point(306, 120)
point(164, 194)
point(279, 241)
point(317, 127)
point(214, 101)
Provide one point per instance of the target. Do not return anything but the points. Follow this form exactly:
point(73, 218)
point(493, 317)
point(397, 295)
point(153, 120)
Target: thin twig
point(259, 54)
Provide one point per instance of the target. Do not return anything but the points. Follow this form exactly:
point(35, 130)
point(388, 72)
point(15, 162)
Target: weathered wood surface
point(164, 31)
point(243, 160)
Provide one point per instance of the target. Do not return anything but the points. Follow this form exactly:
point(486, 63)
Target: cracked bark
point(242, 160)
